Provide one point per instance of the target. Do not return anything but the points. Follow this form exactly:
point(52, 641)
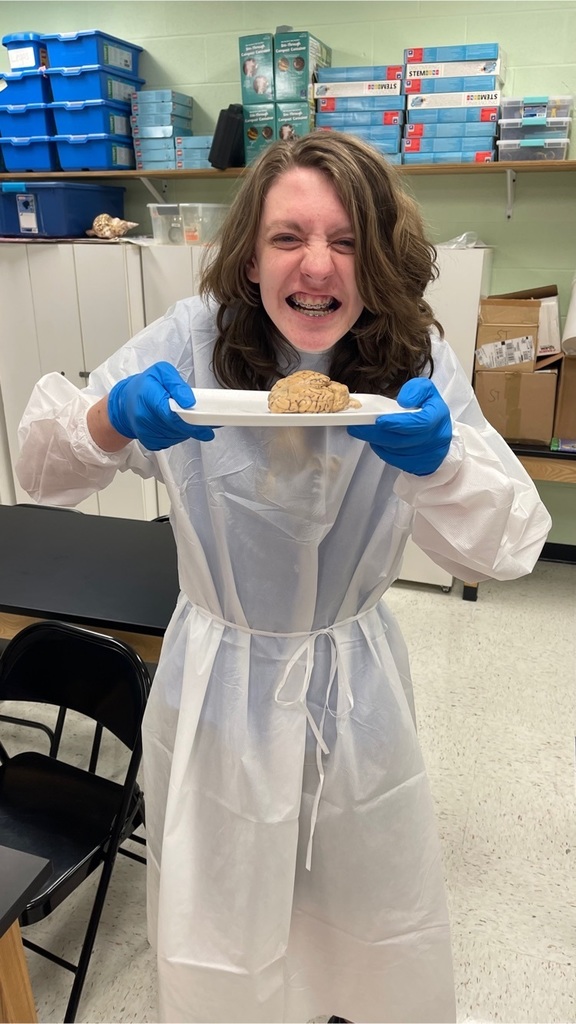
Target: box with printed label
point(452, 115)
point(293, 120)
point(346, 104)
point(73, 49)
point(358, 89)
point(298, 56)
point(463, 51)
point(146, 96)
point(257, 68)
point(485, 156)
point(150, 120)
point(456, 129)
point(415, 86)
point(259, 128)
point(360, 117)
point(453, 99)
point(547, 340)
point(373, 133)
point(373, 73)
point(442, 145)
point(160, 131)
point(457, 68)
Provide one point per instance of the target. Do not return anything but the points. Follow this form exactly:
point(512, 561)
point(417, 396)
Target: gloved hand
point(138, 408)
point(416, 442)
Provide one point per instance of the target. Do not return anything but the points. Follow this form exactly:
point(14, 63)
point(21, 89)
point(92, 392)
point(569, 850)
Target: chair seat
point(55, 810)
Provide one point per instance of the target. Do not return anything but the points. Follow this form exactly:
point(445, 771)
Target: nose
point(316, 263)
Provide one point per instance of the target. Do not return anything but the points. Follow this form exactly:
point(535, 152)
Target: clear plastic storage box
point(536, 106)
point(186, 223)
point(532, 149)
point(548, 128)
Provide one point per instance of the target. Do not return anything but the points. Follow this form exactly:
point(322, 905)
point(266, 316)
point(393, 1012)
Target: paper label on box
point(117, 57)
point(118, 90)
point(26, 206)
point(506, 353)
point(23, 57)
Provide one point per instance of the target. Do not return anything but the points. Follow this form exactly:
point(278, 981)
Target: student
point(294, 863)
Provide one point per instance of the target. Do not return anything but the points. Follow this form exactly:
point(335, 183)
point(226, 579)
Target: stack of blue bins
point(162, 126)
point(72, 111)
point(363, 101)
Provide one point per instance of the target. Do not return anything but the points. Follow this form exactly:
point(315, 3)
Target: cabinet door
point(454, 297)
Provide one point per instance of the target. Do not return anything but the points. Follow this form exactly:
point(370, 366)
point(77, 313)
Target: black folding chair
point(75, 818)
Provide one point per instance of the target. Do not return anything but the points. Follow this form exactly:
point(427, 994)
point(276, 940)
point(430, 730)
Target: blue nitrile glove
point(415, 442)
point(138, 408)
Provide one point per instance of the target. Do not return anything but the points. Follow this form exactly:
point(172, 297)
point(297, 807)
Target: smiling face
point(304, 261)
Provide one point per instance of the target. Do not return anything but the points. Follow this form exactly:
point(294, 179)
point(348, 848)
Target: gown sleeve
point(479, 516)
point(58, 462)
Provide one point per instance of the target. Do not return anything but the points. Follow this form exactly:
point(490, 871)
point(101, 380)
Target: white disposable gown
point(294, 863)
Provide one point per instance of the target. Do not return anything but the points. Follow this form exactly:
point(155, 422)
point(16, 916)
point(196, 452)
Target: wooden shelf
point(530, 166)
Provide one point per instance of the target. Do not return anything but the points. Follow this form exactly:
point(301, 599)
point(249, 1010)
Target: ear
point(252, 272)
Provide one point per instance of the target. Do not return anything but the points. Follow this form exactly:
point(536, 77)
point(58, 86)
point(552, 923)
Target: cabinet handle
point(84, 373)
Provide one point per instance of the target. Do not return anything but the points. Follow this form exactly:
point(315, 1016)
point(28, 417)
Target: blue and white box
point(457, 68)
point(73, 49)
point(450, 130)
point(450, 157)
point(463, 144)
point(440, 54)
point(360, 117)
point(488, 98)
point(344, 104)
point(366, 88)
point(372, 73)
point(143, 96)
point(454, 115)
point(412, 86)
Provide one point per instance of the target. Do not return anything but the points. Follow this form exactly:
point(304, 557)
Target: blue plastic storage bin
point(37, 153)
point(91, 117)
point(92, 82)
point(26, 87)
point(55, 209)
point(95, 152)
point(71, 49)
point(25, 50)
point(26, 120)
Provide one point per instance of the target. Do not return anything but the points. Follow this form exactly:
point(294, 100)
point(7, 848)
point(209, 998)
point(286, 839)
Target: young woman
point(294, 863)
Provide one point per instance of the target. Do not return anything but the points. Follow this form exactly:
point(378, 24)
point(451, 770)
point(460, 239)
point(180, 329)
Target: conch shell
point(105, 226)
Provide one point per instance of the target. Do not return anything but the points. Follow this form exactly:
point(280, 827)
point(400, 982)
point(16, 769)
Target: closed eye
point(285, 241)
point(344, 245)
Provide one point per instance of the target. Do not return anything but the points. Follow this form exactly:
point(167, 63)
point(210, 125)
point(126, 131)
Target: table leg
point(470, 592)
point(16, 999)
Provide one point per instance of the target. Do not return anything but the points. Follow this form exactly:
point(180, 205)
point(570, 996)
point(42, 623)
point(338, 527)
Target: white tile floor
point(494, 684)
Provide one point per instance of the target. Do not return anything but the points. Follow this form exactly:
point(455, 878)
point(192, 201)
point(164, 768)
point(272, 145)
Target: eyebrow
point(293, 225)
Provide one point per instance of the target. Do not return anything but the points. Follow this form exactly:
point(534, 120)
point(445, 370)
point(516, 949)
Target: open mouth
point(314, 306)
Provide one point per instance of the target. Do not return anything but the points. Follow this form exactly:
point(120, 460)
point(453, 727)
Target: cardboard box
point(294, 120)
point(257, 68)
point(501, 320)
point(549, 322)
point(565, 418)
point(520, 406)
point(259, 128)
point(297, 57)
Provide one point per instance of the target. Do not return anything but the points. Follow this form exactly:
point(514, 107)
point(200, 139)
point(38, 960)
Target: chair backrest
point(68, 666)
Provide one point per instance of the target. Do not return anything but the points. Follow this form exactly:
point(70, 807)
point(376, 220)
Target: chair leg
point(57, 736)
point(89, 939)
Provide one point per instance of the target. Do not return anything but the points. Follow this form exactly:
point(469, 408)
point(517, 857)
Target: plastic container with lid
point(37, 153)
point(532, 149)
point(95, 152)
point(531, 128)
point(166, 223)
point(24, 120)
point(536, 106)
point(55, 209)
point(20, 87)
point(71, 49)
point(201, 221)
point(26, 50)
point(91, 117)
point(92, 82)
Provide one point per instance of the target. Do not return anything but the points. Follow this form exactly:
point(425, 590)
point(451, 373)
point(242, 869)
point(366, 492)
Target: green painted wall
point(193, 47)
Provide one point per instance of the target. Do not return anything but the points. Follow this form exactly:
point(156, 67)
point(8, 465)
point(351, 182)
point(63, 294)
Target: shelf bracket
point(159, 197)
point(510, 189)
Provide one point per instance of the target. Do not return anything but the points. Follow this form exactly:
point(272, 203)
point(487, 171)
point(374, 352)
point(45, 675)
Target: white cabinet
point(67, 307)
point(454, 297)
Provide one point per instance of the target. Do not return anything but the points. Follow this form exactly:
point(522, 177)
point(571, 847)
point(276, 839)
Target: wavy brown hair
point(394, 263)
